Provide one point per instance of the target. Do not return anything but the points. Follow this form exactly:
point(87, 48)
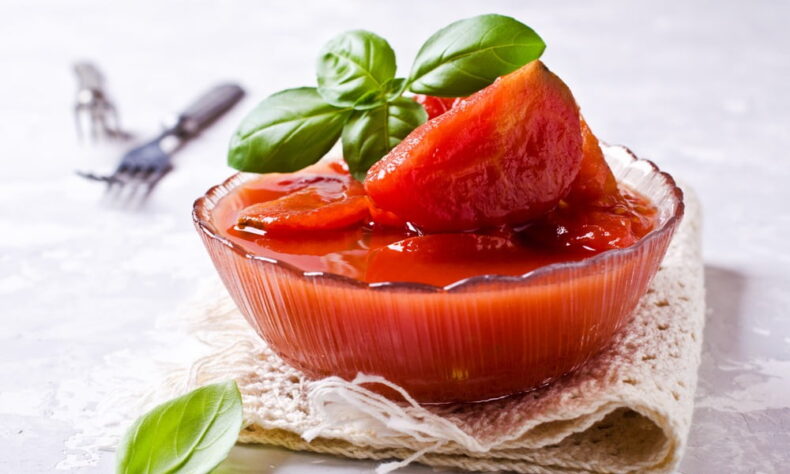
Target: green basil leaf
point(354, 68)
point(470, 54)
point(286, 132)
point(371, 134)
point(190, 434)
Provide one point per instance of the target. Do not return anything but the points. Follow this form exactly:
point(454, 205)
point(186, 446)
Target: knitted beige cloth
point(629, 409)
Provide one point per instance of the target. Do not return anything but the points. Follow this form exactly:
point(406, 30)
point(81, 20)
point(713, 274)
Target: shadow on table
point(726, 346)
point(724, 290)
point(730, 432)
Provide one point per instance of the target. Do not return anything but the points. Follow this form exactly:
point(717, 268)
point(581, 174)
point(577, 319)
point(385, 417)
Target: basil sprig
point(189, 434)
point(360, 99)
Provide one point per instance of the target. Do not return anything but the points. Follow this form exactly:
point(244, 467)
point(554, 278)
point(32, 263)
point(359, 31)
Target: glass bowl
point(476, 339)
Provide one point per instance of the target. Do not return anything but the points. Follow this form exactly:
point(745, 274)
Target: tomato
point(435, 106)
point(595, 183)
point(310, 203)
point(591, 228)
point(504, 155)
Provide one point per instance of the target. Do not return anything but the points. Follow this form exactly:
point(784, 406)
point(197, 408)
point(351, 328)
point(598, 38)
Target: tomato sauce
point(319, 220)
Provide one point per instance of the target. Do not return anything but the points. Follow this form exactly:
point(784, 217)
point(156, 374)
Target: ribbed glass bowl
point(479, 338)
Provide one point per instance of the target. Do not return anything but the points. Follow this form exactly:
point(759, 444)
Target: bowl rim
point(206, 203)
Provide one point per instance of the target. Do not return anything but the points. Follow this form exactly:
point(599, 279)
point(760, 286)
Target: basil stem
point(371, 134)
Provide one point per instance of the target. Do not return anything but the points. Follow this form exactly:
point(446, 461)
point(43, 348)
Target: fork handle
point(207, 108)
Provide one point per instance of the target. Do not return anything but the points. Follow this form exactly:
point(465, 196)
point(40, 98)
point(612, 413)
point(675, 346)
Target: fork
point(94, 110)
point(145, 165)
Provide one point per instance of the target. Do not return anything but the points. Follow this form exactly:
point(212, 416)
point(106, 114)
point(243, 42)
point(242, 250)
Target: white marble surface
point(699, 87)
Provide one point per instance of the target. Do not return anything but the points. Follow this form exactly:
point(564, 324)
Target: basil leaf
point(286, 132)
point(470, 54)
point(189, 434)
point(371, 134)
point(354, 68)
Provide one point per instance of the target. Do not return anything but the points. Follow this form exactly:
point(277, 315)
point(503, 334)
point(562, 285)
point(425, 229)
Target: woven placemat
point(627, 410)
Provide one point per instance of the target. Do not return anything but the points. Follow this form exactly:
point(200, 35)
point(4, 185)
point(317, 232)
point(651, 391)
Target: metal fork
point(144, 166)
point(94, 110)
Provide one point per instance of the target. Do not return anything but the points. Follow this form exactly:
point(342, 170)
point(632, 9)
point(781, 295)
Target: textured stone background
point(698, 87)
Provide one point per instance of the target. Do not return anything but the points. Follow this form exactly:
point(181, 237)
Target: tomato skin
point(458, 171)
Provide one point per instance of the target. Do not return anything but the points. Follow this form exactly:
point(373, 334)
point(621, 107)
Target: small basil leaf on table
point(289, 130)
point(189, 434)
point(470, 54)
point(371, 134)
point(354, 69)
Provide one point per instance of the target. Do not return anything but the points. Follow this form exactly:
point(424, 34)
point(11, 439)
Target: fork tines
point(94, 111)
point(130, 183)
